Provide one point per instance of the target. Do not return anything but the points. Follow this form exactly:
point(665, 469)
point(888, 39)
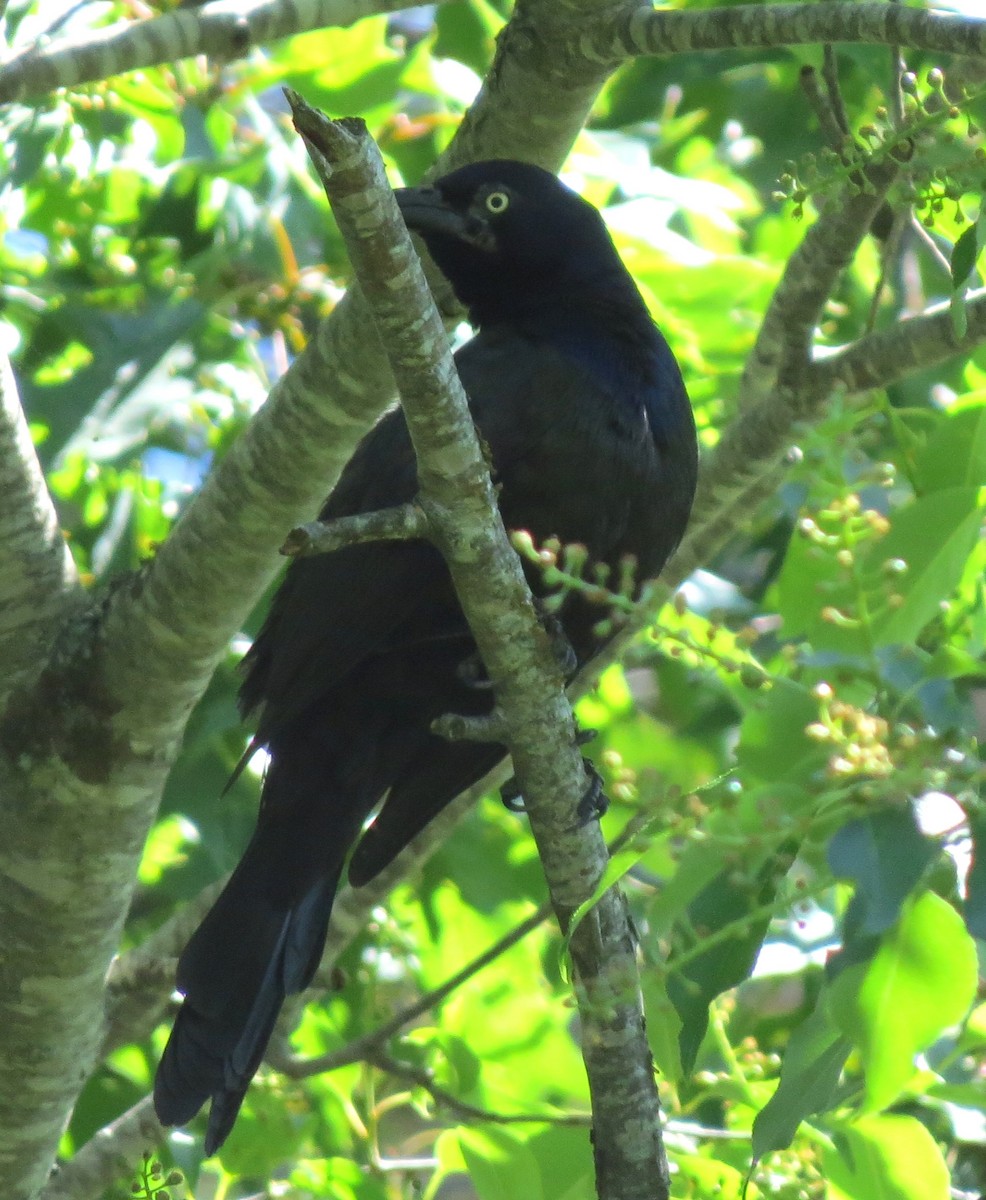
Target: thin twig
point(361, 1048)
point(830, 73)
point(819, 101)
point(457, 727)
point(423, 1078)
point(403, 522)
point(938, 256)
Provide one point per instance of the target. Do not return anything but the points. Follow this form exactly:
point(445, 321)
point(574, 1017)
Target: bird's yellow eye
point(497, 202)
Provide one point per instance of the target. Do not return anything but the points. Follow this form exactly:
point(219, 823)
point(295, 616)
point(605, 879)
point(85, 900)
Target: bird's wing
point(333, 611)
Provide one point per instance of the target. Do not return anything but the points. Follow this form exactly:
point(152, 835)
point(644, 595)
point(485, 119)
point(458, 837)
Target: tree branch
point(913, 345)
point(664, 31)
point(423, 1078)
point(108, 1156)
point(223, 29)
point(388, 524)
point(38, 579)
point(359, 1049)
point(84, 752)
point(786, 333)
point(457, 495)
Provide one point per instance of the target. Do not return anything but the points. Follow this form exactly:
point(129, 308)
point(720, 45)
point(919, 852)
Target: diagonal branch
point(786, 333)
point(108, 1156)
point(516, 650)
point(777, 389)
point(358, 1049)
point(37, 576)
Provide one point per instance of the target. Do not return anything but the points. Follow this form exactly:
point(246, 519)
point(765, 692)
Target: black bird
point(591, 436)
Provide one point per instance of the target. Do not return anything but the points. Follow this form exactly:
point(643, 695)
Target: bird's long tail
point(261, 941)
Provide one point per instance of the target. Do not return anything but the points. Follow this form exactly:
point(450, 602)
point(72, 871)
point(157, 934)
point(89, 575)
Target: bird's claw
point(594, 800)
point(561, 647)
point(510, 796)
point(472, 672)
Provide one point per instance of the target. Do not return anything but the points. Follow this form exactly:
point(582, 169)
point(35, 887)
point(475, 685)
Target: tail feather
point(222, 1030)
point(263, 938)
point(261, 941)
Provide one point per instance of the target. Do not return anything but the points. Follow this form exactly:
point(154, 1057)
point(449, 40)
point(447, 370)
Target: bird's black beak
point(426, 211)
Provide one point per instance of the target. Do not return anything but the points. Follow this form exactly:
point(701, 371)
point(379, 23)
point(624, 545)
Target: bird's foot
point(510, 796)
point(561, 647)
point(594, 800)
point(591, 807)
point(472, 673)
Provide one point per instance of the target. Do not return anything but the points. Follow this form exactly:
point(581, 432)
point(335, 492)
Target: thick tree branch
point(457, 495)
point(108, 1157)
point(84, 753)
point(588, 38)
point(880, 359)
point(787, 331)
point(37, 576)
point(665, 31)
point(774, 394)
point(223, 29)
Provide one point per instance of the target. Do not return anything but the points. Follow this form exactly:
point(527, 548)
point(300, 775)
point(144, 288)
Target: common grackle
point(582, 407)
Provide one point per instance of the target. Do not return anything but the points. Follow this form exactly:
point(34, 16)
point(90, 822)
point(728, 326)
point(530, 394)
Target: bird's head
point(509, 236)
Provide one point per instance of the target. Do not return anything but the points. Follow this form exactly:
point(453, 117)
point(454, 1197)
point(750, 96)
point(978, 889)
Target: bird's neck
point(611, 334)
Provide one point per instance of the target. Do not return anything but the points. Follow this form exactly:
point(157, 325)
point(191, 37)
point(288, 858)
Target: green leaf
point(500, 1164)
point(921, 980)
point(467, 32)
point(703, 1177)
point(813, 1061)
point(964, 255)
point(957, 311)
point(267, 1134)
point(884, 854)
point(663, 1026)
point(773, 744)
point(885, 1158)
point(336, 1179)
point(730, 900)
point(564, 1158)
point(934, 536)
point(955, 453)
